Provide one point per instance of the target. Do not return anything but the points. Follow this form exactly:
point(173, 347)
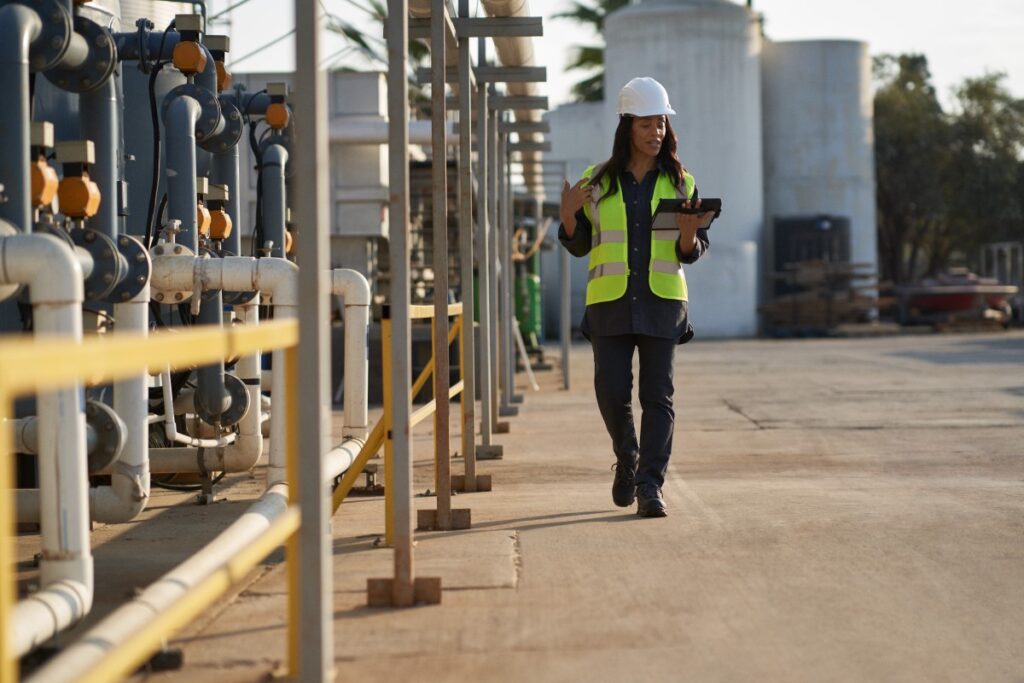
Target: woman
point(636, 291)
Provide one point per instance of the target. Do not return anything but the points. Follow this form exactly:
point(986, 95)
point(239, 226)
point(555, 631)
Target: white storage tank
point(819, 137)
point(707, 55)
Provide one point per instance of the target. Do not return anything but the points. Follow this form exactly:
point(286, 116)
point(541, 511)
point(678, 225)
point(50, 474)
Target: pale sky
point(959, 39)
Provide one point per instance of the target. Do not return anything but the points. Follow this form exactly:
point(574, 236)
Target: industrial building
point(778, 130)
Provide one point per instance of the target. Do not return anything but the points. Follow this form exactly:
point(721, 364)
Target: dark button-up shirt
point(640, 311)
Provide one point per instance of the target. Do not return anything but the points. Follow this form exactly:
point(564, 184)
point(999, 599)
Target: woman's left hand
point(689, 224)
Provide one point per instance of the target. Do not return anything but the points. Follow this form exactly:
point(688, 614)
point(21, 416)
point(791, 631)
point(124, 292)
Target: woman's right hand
point(573, 199)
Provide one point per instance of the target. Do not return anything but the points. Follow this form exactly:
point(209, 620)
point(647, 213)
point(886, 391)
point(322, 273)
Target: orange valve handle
point(79, 196)
point(277, 115)
point(203, 220)
point(220, 224)
point(44, 182)
point(189, 57)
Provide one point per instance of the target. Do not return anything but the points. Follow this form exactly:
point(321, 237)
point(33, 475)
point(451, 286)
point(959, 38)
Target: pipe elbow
point(34, 259)
point(279, 278)
point(275, 155)
point(19, 27)
point(106, 507)
point(352, 285)
point(180, 118)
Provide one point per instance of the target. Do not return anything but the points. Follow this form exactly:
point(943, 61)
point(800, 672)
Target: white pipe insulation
point(158, 597)
point(54, 277)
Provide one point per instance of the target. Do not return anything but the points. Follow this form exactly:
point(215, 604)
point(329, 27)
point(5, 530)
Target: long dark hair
point(621, 148)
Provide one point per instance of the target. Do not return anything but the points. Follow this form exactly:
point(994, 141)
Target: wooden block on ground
point(492, 452)
point(426, 520)
point(426, 591)
point(483, 483)
point(501, 427)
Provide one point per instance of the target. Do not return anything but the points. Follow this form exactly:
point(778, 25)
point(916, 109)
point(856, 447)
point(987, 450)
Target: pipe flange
point(232, 132)
point(99, 63)
point(6, 230)
point(53, 40)
point(111, 435)
point(139, 269)
point(108, 268)
point(239, 401)
point(209, 115)
point(170, 249)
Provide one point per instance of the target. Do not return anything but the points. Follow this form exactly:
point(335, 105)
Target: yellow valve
point(203, 220)
point(220, 224)
point(79, 197)
point(223, 77)
point(189, 57)
point(44, 182)
point(289, 241)
point(277, 115)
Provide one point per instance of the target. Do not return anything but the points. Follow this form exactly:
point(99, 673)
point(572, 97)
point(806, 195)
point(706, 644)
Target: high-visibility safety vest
point(609, 247)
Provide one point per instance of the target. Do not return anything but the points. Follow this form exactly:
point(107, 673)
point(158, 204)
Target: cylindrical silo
point(819, 136)
point(707, 55)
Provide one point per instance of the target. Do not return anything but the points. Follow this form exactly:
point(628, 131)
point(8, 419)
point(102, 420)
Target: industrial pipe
point(212, 397)
point(171, 429)
point(224, 171)
point(275, 157)
point(355, 290)
point(180, 152)
point(26, 437)
point(100, 119)
point(128, 492)
point(19, 27)
point(53, 275)
point(373, 130)
point(124, 622)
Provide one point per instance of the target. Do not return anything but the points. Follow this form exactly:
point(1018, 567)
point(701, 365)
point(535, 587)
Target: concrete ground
point(838, 510)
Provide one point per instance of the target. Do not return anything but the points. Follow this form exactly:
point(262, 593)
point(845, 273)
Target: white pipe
point(171, 429)
point(373, 130)
point(54, 277)
point(353, 287)
point(169, 589)
point(128, 492)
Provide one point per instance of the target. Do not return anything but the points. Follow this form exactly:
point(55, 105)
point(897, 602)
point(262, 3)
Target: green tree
point(590, 58)
point(987, 171)
point(912, 154)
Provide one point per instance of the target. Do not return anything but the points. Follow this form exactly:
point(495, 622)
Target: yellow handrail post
point(389, 470)
point(8, 665)
point(291, 391)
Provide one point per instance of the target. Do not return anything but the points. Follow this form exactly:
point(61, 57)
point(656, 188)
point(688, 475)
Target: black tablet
point(677, 206)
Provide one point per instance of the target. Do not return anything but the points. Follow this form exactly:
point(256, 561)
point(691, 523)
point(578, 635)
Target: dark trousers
point(613, 384)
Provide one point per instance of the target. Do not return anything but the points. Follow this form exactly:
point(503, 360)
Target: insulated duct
point(514, 51)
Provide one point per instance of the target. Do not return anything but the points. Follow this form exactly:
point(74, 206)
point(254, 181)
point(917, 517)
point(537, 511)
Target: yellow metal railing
point(42, 364)
point(378, 436)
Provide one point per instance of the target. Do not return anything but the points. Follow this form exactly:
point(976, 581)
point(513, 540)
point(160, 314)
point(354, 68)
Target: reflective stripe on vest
point(608, 269)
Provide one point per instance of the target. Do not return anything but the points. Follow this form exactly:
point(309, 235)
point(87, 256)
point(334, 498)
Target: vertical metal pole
point(505, 279)
point(398, 234)
point(8, 662)
point(565, 276)
point(467, 341)
point(294, 554)
point(439, 167)
point(386, 338)
point(312, 184)
point(510, 288)
point(483, 219)
point(492, 256)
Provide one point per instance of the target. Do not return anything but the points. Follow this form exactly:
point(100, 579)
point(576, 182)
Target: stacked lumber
point(820, 296)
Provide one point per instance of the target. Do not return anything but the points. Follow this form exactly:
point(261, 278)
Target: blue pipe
point(275, 157)
point(180, 153)
point(99, 116)
point(19, 26)
point(225, 172)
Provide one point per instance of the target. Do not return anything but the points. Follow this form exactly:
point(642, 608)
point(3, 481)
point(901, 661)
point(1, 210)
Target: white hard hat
point(644, 96)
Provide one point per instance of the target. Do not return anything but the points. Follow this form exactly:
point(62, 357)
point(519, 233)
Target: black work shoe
point(649, 502)
point(624, 486)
